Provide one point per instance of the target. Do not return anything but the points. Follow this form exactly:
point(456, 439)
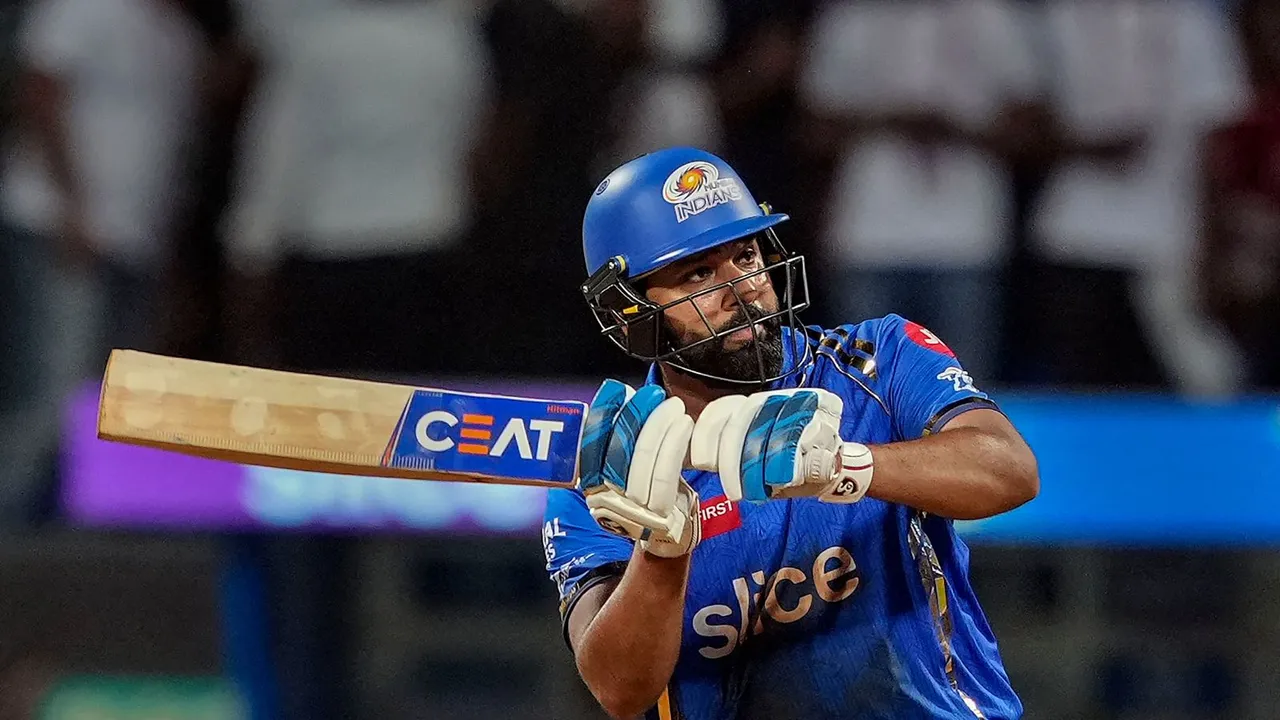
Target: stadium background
point(1140, 585)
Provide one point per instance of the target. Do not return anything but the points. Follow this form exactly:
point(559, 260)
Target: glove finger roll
point(645, 454)
point(704, 445)
point(732, 440)
point(668, 464)
point(782, 448)
point(755, 445)
point(622, 443)
point(598, 428)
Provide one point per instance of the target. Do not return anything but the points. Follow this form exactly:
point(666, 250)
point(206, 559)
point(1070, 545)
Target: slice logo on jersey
point(921, 336)
point(718, 515)
point(788, 595)
point(959, 379)
point(489, 435)
point(696, 187)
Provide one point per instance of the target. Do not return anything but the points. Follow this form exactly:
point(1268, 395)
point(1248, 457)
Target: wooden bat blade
point(338, 425)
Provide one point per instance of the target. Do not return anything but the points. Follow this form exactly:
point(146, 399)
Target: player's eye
point(697, 275)
point(748, 256)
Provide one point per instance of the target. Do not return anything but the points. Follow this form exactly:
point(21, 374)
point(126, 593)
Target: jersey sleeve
point(579, 552)
point(923, 384)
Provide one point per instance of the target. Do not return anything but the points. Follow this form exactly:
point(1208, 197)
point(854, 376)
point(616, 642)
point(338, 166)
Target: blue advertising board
point(1146, 469)
point(1126, 469)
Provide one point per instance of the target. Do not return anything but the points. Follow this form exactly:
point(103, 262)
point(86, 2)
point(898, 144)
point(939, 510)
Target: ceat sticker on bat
point(921, 336)
point(489, 435)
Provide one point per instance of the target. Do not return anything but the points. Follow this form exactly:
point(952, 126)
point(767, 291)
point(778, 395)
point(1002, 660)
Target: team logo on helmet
point(697, 186)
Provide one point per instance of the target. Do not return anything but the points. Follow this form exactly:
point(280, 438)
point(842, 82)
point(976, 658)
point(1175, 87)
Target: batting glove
point(781, 444)
point(633, 449)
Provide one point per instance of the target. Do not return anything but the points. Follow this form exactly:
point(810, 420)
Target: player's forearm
point(629, 651)
point(967, 473)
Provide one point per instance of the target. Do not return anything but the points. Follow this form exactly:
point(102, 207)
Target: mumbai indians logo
point(697, 186)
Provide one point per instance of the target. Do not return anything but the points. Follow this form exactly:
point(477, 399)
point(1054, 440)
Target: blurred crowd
point(1077, 195)
point(1073, 193)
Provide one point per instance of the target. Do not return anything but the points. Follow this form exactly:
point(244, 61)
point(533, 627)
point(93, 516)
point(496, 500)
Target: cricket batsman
point(764, 529)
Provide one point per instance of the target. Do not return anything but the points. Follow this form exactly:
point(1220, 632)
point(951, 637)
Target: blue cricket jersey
point(803, 609)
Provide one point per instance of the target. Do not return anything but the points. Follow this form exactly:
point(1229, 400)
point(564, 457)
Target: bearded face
point(750, 353)
point(717, 300)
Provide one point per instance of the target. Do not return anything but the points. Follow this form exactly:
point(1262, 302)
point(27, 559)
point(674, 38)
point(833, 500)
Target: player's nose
point(743, 290)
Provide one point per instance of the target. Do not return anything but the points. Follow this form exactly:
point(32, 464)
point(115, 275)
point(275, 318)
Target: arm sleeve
point(579, 552)
point(923, 383)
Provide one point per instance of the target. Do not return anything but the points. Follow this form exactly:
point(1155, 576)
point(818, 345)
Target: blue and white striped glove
point(633, 450)
point(781, 444)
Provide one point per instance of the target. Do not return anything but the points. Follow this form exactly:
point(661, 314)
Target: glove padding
point(633, 450)
point(780, 444)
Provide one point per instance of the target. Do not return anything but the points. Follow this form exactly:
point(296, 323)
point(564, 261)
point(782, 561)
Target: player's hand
point(781, 444)
point(633, 449)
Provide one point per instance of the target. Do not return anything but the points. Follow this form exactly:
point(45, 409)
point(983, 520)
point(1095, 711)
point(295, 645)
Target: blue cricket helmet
point(666, 206)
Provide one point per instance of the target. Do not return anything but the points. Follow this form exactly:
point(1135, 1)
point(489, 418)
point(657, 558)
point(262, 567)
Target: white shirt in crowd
point(359, 141)
point(1170, 68)
point(684, 31)
point(672, 104)
point(266, 24)
point(131, 69)
point(891, 204)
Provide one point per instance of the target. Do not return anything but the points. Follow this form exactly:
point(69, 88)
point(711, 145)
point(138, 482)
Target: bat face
point(337, 425)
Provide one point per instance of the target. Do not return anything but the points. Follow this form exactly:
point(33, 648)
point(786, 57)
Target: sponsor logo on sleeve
point(550, 531)
point(561, 576)
point(959, 379)
point(923, 337)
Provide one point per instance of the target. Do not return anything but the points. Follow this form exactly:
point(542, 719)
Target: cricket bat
point(328, 424)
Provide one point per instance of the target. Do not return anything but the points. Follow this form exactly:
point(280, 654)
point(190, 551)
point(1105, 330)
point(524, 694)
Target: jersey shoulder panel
point(851, 347)
point(913, 374)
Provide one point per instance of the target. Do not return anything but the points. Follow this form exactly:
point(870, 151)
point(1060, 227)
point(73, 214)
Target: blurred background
point(1082, 197)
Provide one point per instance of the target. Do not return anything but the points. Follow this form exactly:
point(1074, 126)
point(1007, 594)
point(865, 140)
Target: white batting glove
point(781, 444)
point(633, 449)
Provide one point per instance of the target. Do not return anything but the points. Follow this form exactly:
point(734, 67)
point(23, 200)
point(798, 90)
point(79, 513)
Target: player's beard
point(714, 358)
